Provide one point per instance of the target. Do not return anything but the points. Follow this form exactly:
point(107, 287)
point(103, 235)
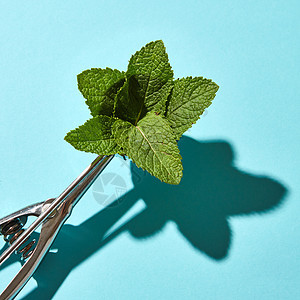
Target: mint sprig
point(142, 112)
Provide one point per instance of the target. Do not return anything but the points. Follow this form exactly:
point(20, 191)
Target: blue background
point(244, 249)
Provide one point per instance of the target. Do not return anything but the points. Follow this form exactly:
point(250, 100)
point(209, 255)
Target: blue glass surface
point(231, 229)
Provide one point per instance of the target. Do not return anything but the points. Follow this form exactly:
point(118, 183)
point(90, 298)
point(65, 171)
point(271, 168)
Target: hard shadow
point(212, 190)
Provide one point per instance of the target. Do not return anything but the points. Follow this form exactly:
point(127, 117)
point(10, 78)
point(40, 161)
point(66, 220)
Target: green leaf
point(150, 78)
point(129, 106)
point(99, 87)
point(151, 145)
point(188, 100)
point(94, 136)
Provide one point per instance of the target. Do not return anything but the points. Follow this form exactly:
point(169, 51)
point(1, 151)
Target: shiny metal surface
point(51, 214)
point(31, 210)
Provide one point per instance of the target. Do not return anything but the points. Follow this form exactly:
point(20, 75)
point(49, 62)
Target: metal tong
point(51, 214)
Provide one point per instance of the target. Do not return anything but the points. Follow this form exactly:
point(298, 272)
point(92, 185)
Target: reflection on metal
point(51, 215)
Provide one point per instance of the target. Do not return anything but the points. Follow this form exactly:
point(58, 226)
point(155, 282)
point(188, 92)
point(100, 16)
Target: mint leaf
point(129, 105)
point(151, 145)
point(94, 136)
point(188, 100)
point(150, 78)
point(99, 87)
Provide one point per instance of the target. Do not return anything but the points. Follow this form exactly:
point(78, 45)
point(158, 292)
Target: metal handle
point(62, 206)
